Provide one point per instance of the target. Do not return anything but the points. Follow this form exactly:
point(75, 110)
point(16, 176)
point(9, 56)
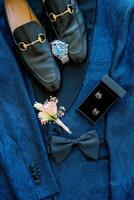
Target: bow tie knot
point(74, 141)
point(88, 143)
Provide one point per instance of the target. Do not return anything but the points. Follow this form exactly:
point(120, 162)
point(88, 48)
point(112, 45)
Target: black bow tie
point(60, 147)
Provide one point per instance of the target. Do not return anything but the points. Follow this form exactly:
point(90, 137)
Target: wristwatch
point(60, 50)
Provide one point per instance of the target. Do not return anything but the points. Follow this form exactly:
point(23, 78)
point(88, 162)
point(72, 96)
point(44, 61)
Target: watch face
point(59, 48)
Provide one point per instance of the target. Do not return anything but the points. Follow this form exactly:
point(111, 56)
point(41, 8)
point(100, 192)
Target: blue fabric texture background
point(23, 140)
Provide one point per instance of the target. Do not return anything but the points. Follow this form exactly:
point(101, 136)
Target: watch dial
point(60, 49)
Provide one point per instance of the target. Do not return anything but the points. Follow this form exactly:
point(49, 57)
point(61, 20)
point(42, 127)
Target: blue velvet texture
point(22, 139)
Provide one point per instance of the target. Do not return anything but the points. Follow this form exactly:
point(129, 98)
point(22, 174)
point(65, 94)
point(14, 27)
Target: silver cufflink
point(98, 95)
point(95, 111)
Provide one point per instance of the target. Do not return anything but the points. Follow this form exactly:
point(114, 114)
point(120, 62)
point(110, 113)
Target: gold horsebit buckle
point(53, 17)
point(41, 39)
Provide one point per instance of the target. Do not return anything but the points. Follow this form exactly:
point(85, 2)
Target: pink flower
point(50, 108)
point(48, 112)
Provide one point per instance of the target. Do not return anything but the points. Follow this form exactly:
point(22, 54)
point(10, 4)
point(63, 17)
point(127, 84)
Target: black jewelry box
point(101, 99)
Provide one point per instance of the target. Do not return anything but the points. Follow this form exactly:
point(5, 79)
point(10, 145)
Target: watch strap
point(64, 59)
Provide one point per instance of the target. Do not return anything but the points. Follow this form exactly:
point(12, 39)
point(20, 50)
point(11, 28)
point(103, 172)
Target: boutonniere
point(49, 112)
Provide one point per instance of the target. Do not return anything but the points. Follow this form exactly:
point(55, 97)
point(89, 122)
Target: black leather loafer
point(32, 45)
point(68, 24)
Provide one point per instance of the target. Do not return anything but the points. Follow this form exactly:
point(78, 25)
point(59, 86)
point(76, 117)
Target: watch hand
point(58, 47)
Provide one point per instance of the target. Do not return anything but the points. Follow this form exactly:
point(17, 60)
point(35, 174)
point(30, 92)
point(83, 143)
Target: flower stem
point(60, 123)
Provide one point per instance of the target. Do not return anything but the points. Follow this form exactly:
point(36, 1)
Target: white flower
point(38, 106)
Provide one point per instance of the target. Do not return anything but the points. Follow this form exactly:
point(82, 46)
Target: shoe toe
point(53, 86)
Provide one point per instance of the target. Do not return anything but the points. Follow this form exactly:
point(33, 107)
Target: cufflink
point(98, 95)
point(95, 111)
point(106, 93)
